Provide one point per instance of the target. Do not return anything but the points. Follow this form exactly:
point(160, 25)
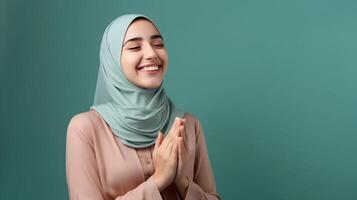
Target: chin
point(151, 84)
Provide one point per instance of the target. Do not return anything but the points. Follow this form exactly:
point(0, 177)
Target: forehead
point(141, 28)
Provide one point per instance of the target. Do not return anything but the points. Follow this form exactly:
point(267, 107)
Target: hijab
point(134, 114)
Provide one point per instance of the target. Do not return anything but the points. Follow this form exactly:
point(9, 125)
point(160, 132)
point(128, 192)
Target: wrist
point(182, 183)
point(159, 184)
point(182, 186)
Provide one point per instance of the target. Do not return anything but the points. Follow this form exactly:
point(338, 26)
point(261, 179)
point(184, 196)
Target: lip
point(150, 72)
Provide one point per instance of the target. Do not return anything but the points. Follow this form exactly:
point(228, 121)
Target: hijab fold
point(134, 114)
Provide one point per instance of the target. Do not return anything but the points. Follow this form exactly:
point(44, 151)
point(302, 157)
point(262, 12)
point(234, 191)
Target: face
point(144, 58)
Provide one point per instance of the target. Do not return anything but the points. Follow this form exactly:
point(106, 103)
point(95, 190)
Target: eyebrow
point(140, 38)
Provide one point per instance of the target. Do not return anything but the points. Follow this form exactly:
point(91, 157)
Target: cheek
point(129, 64)
point(163, 56)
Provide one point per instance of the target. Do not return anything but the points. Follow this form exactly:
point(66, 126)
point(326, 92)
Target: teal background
point(272, 82)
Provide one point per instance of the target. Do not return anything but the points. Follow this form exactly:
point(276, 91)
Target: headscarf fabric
point(134, 114)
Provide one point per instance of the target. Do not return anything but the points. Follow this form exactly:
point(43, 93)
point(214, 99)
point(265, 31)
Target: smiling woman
point(134, 143)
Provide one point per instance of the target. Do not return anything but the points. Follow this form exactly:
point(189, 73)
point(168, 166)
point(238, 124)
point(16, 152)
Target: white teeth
point(151, 68)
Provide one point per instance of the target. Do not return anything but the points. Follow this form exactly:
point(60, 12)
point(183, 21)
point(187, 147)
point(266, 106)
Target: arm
point(203, 186)
point(82, 171)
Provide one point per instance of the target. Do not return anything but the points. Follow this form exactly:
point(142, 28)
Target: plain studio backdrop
point(273, 82)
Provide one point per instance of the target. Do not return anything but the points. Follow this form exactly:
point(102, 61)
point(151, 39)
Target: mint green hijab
point(134, 114)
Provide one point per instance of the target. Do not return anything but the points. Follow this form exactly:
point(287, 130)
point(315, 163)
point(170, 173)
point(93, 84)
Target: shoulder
point(191, 118)
point(194, 122)
point(83, 123)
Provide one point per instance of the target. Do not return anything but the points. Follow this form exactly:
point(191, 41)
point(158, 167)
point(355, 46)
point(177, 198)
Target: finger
point(176, 129)
point(180, 153)
point(182, 131)
point(175, 125)
point(158, 140)
point(178, 122)
point(169, 138)
point(174, 132)
point(173, 128)
point(166, 141)
point(177, 133)
point(185, 148)
point(170, 142)
point(182, 121)
point(180, 150)
point(174, 152)
point(169, 148)
point(183, 136)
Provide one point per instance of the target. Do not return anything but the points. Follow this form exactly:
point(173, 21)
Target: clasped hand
point(170, 155)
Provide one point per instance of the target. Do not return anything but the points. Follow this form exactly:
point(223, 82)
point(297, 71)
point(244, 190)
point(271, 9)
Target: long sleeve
point(82, 171)
point(203, 186)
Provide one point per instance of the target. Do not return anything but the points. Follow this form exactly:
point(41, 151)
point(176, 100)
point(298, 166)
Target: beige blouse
point(100, 167)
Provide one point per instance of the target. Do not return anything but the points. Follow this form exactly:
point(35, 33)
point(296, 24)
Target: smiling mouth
point(152, 68)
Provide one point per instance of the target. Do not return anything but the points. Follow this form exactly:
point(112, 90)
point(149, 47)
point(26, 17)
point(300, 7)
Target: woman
point(133, 143)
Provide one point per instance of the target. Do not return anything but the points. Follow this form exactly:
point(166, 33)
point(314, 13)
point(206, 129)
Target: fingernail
point(177, 119)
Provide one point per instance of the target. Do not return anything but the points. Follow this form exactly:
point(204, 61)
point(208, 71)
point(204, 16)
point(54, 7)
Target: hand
point(181, 179)
point(165, 156)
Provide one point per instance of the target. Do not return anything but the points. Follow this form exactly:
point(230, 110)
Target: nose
point(149, 52)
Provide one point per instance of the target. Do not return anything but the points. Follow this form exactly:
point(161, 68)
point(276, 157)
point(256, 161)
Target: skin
point(147, 49)
point(170, 152)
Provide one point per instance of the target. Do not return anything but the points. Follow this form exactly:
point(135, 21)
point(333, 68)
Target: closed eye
point(159, 45)
point(133, 48)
